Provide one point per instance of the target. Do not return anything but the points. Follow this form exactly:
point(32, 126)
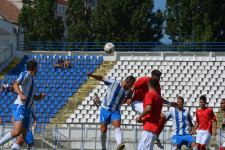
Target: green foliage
point(78, 20)
point(113, 20)
point(203, 19)
point(123, 20)
point(38, 18)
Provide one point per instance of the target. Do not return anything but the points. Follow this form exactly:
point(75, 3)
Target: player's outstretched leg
point(103, 135)
point(162, 122)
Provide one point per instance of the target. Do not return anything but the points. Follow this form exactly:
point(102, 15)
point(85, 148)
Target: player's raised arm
point(97, 77)
point(174, 104)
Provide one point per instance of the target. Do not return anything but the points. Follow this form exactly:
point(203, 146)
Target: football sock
point(103, 140)
point(118, 136)
point(6, 138)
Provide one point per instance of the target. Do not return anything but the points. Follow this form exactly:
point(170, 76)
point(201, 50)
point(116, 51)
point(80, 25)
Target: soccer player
point(182, 125)
point(222, 106)
point(110, 107)
point(150, 116)
point(21, 109)
point(139, 89)
point(29, 139)
point(204, 118)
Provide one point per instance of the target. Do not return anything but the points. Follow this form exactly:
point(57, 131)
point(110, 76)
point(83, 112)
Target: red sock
point(198, 145)
point(202, 147)
point(161, 126)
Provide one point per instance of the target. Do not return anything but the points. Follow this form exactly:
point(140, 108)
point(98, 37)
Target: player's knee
point(104, 130)
point(16, 133)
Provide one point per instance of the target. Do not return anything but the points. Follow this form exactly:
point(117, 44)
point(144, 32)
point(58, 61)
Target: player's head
point(180, 102)
point(156, 74)
point(32, 66)
point(222, 104)
point(203, 101)
point(153, 83)
point(4, 82)
point(129, 82)
point(60, 58)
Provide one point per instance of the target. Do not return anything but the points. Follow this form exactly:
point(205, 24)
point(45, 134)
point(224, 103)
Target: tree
point(201, 21)
point(123, 20)
point(79, 21)
point(38, 18)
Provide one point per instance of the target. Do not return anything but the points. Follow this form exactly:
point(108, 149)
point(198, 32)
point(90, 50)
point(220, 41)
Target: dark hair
point(180, 98)
point(203, 98)
point(130, 79)
point(154, 83)
point(156, 73)
point(31, 65)
point(223, 99)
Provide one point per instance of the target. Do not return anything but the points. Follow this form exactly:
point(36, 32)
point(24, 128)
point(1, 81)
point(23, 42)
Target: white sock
point(118, 136)
point(32, 148)
point(15, 147)
point(175, 148)
point(195, 148)
point(103, 140)
point(6, 138)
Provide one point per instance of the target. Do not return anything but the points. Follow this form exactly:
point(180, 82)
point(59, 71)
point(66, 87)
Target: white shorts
point(223, 145)
point(203, 137)
point(137, 106)
point(147, 140)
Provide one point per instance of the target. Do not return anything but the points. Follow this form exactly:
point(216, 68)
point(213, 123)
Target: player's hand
point(139, 119)
point(0, 121)
point(192, 132)
point(174, 104)
point(214, 132)
point(22, 97)
point(89, 73)
point(129, 101)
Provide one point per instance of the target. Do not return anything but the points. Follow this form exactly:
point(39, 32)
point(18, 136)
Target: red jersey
point(151, 120)
point(204, 118)
point(141, 88)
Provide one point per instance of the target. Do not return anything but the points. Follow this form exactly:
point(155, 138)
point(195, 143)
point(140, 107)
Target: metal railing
point(121, 46)
point(65, 137)
point(6, 54)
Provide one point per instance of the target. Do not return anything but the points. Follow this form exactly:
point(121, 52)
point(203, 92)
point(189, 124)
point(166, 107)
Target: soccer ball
point(109, 48)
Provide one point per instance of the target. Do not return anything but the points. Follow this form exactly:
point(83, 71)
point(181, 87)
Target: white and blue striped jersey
point(180, 121)
point(27, 88)
point(114, 96)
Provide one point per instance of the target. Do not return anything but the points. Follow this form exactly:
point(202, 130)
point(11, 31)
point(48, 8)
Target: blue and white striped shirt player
point(114, 96)
point(27, 88)
point(181, 125)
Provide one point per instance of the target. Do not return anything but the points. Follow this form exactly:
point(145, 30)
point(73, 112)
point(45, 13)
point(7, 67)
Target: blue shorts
point(29, 139)
point(183, 140)
point(21, 113)
point(108, 116)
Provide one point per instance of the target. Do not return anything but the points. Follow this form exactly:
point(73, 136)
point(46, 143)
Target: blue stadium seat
point(52, 106)
point(38, 56)
point(91, 70)
point(94, 66)
point(43, 115)
point(94, 57)
point(4, 119)
point(78, 62)
point(100, 58)
point(84, 62)
point(62, 102)
point(97, 62)
point(66, 90)
point(70, 94)
point(88, 57)
point(25, 57)
point(51, 115)
point(69, 57)
point(48, 110)
point(47, 61)
point(2, 114)
point(44, 57)
point(39, 119)
point(56, 57)
point(56, 94)
point(90, 62)
point(50, 57)
point(31, 57)
point(75, 57)
point(73, 90)
point(81, 57)
point(46, 120)
point(59, 107)
point(60, 90)
point(63, 57)
point(65, 99)
point(57, 85)
point(55, 111)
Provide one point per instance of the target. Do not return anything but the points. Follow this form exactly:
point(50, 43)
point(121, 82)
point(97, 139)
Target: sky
point(160, 4)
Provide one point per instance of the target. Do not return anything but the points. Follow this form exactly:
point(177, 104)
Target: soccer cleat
point(159, 144)
point(120, 147)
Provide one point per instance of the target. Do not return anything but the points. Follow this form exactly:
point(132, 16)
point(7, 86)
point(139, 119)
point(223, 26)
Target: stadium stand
point(187, 77)
point(58, 86)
